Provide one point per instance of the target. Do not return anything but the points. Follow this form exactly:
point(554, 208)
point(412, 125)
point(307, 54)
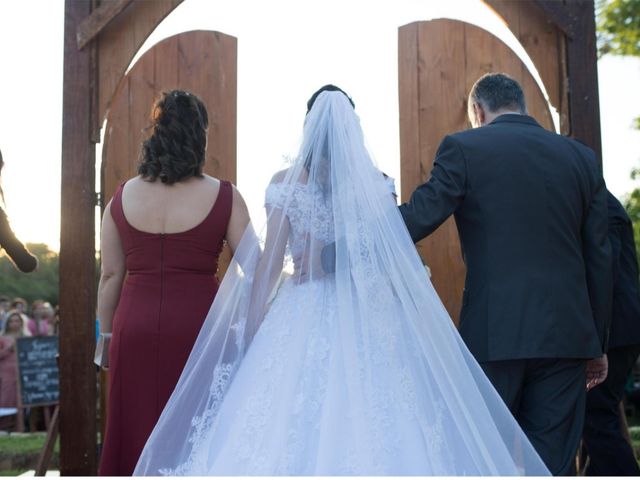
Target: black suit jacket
point(625, 320)
point(531, 212)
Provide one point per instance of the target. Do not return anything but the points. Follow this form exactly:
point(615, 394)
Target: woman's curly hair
point(176, 148)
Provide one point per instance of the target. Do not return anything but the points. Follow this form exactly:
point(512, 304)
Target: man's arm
point(596, 250)
point(434, 201)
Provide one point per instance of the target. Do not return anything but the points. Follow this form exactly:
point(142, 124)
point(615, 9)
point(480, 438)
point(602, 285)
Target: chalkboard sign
point(37, 370)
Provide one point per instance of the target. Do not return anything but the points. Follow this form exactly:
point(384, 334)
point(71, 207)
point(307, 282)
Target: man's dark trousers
point(609, 453)
point(547, 398)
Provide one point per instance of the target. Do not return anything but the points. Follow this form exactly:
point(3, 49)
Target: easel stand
point(47, 451)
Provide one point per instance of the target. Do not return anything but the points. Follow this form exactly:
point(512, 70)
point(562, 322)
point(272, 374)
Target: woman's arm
point(112, 271)
point(238, 221)
point(268, 270)
point(22, 258)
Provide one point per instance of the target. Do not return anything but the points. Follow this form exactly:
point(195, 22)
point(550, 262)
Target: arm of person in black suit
point(434, 201)
point(615, 241)
point(597, 255)
point(22, 258)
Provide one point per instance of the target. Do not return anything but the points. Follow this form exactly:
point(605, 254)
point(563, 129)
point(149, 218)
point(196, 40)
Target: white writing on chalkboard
point(38, 370)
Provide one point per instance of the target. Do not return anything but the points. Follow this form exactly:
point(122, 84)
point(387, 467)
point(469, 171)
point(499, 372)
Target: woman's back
point(158, 208)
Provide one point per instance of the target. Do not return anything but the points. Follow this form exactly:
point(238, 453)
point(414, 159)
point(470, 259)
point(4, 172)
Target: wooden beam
point(582, 70)
point(78, 456)
point(577, 19)
point(558, 13)
point(91, 26)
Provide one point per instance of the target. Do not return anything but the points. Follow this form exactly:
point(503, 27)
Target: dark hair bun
point(176, 148)
point(327, 88)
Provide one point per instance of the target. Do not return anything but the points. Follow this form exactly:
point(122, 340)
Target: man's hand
point(597, 369)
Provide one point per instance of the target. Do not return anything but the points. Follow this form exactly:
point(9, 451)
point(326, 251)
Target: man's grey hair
point(497, 91)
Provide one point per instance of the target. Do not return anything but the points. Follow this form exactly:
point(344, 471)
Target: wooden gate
point(439, 61)
point(201, 62)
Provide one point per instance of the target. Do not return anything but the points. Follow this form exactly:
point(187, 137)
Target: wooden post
point(577, 20)
point(77, 256)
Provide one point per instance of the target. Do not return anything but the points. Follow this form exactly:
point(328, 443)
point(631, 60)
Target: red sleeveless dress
point(170, 285)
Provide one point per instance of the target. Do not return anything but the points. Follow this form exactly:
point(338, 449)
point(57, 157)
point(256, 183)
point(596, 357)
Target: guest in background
point(609, 452)
point(39, 324)
point(15, 325)
point(49, 316)
point(8, 382)
point(19, 304)
point(5, 306)
point(165, 229)
point(17, 252)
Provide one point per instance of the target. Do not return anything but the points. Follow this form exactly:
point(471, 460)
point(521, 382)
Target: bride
point(356, 372)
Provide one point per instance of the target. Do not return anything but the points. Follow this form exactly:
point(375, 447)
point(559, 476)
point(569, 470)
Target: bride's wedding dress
point(356, 372)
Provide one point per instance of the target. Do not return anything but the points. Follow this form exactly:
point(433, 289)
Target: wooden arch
point(100, 40)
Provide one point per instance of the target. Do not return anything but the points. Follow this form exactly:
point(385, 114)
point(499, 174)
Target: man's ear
point(476, 115)
point(481, 115)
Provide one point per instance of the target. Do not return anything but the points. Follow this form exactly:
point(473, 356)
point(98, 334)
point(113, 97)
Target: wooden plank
point(141, 97)
point(77, 258)
point(443, 93)
point(165, 64)
point(560, 15)
point(121, 39)
point(408, 101)
point(91, 26)
point(115, 154)
point(582, 67)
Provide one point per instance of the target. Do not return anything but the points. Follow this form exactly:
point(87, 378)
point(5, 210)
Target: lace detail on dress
point(308, 209)
point(201, 425)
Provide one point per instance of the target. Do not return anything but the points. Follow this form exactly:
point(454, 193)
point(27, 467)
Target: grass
point(23, 443)
point(19, 452)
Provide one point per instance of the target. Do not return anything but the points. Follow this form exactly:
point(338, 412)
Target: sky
point(286, 50)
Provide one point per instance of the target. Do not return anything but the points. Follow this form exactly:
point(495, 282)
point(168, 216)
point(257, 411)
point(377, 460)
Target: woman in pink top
point(41, 322)
point(13, 329)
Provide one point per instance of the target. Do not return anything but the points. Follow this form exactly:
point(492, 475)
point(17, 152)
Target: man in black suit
point(531, 212)
point(609, 452)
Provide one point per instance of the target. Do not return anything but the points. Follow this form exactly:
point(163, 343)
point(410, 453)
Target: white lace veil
point(396, 339)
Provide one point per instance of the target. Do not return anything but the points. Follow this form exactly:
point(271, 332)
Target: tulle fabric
point(359, 371)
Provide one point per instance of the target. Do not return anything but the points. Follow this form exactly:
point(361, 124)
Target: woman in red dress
point(162, 234)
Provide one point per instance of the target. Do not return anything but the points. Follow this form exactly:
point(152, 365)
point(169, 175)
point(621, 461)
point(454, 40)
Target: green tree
point(632, 206)
point(41, 284)
point(618, 27)
point(618, 30)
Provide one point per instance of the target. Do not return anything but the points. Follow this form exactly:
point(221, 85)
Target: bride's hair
point(327, 88)
point(176, 148)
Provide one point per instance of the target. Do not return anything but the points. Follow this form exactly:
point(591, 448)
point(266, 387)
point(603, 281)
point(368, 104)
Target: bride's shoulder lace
point(281, 190)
